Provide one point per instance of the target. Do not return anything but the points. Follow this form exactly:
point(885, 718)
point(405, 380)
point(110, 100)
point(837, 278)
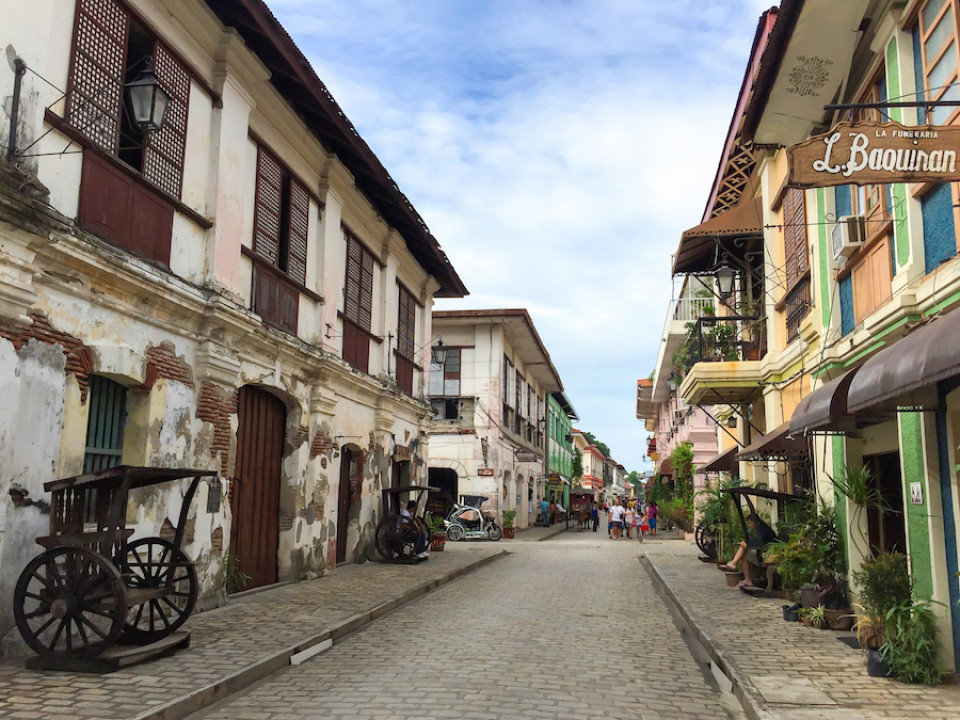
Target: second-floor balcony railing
point(692, 309)
point(722, 339)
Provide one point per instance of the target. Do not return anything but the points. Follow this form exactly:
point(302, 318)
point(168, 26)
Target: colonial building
point(559, 456)
point(844, 299)
point(244, 289)
point(488, 434)
point(593, 467)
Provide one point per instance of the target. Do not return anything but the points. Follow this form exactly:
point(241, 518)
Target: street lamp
point(148, 101)
point(438, 353)
point(726, 276)
point(672, 382)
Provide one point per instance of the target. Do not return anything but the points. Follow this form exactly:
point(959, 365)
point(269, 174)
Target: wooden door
point(255, 497)
point(343, 503)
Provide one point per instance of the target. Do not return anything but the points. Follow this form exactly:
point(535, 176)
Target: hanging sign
point(522, 455)
point(875, 153)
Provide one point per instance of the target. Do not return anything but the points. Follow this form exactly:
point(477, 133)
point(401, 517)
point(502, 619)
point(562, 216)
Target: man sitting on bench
point(751, 551)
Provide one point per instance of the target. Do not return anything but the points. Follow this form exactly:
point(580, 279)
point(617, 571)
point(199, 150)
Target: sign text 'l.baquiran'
point(869, 153)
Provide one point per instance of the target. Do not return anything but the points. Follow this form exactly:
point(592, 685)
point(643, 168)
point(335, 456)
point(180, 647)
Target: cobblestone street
point(570, 629)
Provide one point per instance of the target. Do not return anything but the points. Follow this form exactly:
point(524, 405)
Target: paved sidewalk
point(780, 669)
point(240, 643)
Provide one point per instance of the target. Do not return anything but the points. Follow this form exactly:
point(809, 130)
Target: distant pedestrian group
point(629, 517)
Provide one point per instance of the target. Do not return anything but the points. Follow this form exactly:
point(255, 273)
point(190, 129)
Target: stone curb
point(747, 695)
point(204, 697)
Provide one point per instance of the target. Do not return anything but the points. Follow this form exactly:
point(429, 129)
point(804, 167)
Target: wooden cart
point(397, 538)
point(92, 589)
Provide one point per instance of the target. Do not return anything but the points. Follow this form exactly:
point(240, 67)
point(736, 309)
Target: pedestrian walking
point(629, 519)
point(616, 520)
point(545, 512)
point(652, 511)
point(595, 515)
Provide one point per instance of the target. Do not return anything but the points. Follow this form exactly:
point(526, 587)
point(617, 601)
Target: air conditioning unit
point(848, 235)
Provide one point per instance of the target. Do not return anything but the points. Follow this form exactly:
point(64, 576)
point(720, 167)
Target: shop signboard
point(485, 472)
point(525, 456)
point(875, 153)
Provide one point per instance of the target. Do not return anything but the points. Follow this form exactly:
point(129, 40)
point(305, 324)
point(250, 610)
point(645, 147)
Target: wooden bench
point(766, 570)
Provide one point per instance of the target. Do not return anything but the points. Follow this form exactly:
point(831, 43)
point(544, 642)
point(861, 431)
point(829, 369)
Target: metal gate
point(255, 495)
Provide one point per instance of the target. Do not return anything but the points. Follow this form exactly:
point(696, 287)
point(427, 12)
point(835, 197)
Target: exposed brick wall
point(162, 362)
point(216, 405)
point(79, 360)
point(321, 444)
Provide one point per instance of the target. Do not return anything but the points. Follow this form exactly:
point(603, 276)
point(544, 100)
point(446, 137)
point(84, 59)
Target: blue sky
point(556, 150)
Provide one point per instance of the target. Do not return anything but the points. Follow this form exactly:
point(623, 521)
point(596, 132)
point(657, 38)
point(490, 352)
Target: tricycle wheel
point(494, 532)
point(69, 601)
point(147, 565)
point(454, 533)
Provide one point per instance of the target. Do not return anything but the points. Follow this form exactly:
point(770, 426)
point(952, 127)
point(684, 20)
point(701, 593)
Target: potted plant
point(509, 517)
point(814, 617)
point(438, 533)
point(884, 584)
point(910, 646)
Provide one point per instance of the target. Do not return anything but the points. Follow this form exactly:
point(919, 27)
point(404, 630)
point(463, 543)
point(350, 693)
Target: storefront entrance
point(885, 526)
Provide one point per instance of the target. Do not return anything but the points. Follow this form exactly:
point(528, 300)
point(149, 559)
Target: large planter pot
point(876, 665)
point(437, 541)
point(809, 596)
point(841, 619)
point(508, 532)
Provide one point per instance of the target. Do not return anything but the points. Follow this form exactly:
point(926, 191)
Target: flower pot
point(790, 613)
point(876, 665)
point(437, 541)
point(732, 578)
point(508, 532)
point(840, 619)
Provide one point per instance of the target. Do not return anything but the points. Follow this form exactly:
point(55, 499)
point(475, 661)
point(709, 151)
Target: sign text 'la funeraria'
point(874, 153)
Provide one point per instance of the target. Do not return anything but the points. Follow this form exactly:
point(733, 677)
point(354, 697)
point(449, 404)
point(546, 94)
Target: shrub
point(910, 648)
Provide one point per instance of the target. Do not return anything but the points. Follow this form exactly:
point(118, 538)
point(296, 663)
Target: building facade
point(244, 290)
point(850, 286)
point(488, 433)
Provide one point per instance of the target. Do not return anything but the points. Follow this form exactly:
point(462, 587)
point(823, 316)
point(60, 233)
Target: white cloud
point(556, 149)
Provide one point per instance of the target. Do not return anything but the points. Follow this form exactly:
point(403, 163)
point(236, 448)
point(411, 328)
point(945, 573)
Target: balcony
point(456, 412)
point(721, 359)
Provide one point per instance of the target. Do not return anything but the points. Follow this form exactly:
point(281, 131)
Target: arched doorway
point(348, 495)
point(255, 495)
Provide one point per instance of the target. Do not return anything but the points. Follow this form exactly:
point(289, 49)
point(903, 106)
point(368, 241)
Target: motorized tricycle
point(467, 521)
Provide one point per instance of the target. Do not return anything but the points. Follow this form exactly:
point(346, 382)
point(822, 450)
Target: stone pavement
point(781, 669)
point(235, 645)
point(570, 629)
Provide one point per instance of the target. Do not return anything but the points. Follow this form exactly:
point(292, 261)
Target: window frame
point(357, 313)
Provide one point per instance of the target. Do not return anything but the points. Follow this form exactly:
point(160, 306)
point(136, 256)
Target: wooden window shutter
point(266, 216)
point(164, 150)
point(299, 225)
point(406, 325)
point(351, 300)
point(95, 86)
point(794, 235)
point(366, 291)
point(288, 307)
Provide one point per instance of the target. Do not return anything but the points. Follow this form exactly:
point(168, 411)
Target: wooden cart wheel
point(70, 601)
point(146, 565)
point(382, 538)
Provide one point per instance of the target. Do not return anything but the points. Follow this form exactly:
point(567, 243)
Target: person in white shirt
point(616, 519)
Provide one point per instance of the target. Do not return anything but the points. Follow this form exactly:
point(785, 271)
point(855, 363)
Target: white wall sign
point(916, 493)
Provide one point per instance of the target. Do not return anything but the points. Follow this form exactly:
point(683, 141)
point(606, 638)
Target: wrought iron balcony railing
point(722, 339)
